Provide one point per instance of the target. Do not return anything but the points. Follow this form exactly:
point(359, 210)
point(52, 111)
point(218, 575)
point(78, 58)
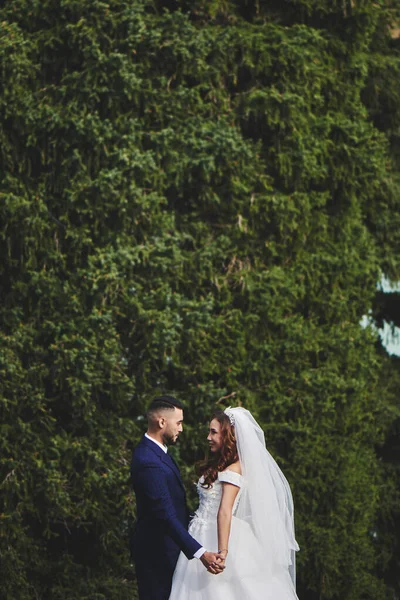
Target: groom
point(162, 516)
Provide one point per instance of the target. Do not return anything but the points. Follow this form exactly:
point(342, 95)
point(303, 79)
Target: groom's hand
point(212, 562)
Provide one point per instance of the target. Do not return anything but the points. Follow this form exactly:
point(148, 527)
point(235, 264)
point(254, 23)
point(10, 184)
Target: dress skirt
point(246, 576)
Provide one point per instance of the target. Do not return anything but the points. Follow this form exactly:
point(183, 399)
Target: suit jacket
point(162, 516)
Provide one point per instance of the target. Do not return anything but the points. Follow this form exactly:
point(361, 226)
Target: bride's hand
point(221, 557)
point(212, 563)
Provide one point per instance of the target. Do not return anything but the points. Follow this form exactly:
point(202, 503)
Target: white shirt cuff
point(199, 553)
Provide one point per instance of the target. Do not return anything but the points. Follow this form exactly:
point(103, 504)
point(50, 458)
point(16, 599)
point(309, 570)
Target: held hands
point(221, 557)
point(214, 562)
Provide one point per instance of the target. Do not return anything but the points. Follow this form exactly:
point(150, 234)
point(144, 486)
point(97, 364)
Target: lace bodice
point(210, 498)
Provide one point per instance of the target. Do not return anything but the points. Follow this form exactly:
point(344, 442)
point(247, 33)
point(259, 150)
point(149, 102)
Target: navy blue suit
point(162, 520)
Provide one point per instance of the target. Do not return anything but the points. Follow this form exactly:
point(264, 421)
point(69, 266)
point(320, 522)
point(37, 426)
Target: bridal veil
point(266, 502)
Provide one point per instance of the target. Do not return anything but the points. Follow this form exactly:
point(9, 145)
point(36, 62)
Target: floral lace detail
point(210, 499)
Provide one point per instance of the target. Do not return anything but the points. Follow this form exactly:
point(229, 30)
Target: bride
point(246, 512)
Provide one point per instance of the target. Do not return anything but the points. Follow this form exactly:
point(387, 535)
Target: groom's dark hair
point(163, 403)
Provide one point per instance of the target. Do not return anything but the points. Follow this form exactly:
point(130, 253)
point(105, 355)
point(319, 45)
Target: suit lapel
point(168, 460)
point(165, 458)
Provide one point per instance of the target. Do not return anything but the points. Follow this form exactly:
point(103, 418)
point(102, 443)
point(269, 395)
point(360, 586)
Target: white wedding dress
point(247, 575)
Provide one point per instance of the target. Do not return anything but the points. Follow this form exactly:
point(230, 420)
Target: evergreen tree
point(196, 197)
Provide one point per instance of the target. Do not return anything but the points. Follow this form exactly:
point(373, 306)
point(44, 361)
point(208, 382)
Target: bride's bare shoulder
point(235, 467)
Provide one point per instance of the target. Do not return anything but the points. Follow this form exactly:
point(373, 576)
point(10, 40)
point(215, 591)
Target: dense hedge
point(197, 197)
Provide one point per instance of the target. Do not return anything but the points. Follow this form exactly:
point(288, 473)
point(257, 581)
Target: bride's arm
point(224, 518)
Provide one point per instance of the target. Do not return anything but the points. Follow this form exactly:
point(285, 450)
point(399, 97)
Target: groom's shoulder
point(144, 454)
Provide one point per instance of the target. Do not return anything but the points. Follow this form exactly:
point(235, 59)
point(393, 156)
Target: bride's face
point(214, 436)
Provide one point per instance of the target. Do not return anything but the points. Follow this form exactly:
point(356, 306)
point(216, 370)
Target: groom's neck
point(156, 436)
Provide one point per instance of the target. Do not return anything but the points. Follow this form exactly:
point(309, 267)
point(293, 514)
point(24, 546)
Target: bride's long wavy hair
point(227, 455)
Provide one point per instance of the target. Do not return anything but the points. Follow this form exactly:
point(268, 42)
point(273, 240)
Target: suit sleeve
point(152, 483)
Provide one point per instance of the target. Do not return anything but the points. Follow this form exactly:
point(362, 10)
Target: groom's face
point(172, 425)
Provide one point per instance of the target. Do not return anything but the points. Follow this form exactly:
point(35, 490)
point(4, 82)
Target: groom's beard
point(169, 440)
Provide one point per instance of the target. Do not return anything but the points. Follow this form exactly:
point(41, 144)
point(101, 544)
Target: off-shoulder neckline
point(230, 471)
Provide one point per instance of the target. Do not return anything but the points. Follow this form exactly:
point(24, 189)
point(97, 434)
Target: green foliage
point(198, 198)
